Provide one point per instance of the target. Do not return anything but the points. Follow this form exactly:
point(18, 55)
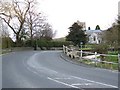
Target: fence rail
point(79, 54)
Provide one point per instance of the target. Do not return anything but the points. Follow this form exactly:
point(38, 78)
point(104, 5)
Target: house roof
point(93, 31)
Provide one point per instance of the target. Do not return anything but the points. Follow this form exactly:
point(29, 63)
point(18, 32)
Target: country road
point(46, 69)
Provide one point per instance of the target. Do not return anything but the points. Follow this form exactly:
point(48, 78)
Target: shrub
point(7, 42)
point(28, 43)
point(45, 44)
point(101, 48)
point(50, 44)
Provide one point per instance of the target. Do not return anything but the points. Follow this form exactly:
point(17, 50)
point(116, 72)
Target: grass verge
point(100, 65)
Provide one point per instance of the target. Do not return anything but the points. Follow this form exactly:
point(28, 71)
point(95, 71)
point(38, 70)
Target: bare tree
point(47, 32)
point(23, 20)
point(34, 22)
point(37, 26)
point(110, 36)
point(14, 14)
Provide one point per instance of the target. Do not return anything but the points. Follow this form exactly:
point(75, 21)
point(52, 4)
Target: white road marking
point(34, 64)
point(77, 78)
point(95, 82)
point(62, 78)
point(29, 67)
point(62, 83)
point(70, 77)
point(76, 84)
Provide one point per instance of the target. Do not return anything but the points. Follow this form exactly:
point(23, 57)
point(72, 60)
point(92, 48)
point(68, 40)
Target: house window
point(99, 41)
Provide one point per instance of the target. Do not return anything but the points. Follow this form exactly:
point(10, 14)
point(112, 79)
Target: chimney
point(89, 28)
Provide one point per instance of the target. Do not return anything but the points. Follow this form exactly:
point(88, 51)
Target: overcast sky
point(61, 14)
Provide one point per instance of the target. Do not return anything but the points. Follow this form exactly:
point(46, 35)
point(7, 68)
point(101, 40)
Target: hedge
point(49, 44)
point(45, 43)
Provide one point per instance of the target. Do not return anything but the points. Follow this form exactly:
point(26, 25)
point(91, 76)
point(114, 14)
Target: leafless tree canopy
point(110, 36)
point(23, 20)
point(34, 23)
point(14, 14)
point(45, 32)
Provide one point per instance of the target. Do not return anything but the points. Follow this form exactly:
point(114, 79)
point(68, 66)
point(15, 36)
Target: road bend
point(46, 69)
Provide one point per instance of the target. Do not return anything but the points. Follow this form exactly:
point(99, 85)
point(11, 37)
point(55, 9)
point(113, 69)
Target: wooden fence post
point(63, 48)
point(95, 58)
point(81, 54)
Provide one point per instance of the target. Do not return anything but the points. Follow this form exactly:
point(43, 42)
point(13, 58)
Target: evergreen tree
point(97, 27)
point(76, 34)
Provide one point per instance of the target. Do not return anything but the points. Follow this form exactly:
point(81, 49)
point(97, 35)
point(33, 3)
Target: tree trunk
point(31, 33)
point(18, 40)
point(31, 42)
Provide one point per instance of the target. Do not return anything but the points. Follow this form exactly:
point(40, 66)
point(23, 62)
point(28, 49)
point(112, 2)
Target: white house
point(94, 36)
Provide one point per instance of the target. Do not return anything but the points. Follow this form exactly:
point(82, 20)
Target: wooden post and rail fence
point(79, 54)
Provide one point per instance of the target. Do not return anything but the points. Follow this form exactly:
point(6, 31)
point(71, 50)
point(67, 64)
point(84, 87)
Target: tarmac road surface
point(46, 69)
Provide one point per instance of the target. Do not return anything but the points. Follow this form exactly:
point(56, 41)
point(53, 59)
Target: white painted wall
point(94, 38)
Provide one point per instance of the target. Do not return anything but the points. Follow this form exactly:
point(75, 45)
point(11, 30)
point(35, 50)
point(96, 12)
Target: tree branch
point(8, 24)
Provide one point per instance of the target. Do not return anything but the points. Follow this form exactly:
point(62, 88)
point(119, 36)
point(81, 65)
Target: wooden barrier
point(79, 54)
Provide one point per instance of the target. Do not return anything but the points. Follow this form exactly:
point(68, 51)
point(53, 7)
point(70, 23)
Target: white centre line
point(62, 83)
point(95, 82)
point(71, 77)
